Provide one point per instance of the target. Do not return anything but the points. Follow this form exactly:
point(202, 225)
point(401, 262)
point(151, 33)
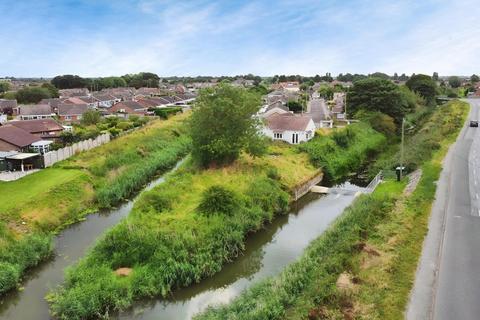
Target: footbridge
point(348, 189)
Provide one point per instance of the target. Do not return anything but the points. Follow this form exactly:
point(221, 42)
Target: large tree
point(223, 124)
point(69, 81)
point(32, 94)
point(474, 78)
point(454, 82)
point(423, 85)
point(379, 95)
point(4, 86)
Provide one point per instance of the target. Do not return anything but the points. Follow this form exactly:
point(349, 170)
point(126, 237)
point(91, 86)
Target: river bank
point(170, 241)
point(44, 203)
point(363, 266)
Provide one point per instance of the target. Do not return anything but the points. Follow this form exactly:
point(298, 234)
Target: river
point(267, 253)
point(70, 245)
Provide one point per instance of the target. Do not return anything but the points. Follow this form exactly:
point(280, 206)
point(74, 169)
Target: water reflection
point(267, 253)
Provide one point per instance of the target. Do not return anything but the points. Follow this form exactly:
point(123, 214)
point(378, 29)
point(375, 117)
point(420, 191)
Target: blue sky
point(113, 37)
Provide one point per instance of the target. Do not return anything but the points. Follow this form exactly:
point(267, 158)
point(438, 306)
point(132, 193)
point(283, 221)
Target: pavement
point(447, 284)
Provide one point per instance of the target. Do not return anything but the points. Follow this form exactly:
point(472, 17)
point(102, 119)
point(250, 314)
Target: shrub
point(218, 199)
point(9, 276)
point(125, 126)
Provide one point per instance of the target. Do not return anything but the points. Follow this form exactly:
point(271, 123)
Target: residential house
point(47, 129)
point(105, 100)
point(77, 92)
point(34, 112)
point(91, 101)
point(53, 103)
point(71, 112)
point(290, 128)
point(125, 108)
point(13, 138)
point(274, 108)
point(7, 106)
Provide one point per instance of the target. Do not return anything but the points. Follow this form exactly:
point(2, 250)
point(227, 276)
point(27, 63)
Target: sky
point(45, 38)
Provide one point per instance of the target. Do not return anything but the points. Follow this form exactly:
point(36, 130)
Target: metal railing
point(374, 183)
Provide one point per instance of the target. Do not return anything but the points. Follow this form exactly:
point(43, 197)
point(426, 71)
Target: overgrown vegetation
point(223, 125)
point(44, 202)
point(376, 243)
point(180, 232)
point(425, 140)
point(345, 150)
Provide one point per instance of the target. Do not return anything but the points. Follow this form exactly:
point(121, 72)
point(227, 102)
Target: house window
point(277, 136)
point(295, 138)
point(68, 117)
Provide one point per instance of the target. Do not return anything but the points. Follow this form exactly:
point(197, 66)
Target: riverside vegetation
point(42, 203)
point(376, 243)
point(187, 228)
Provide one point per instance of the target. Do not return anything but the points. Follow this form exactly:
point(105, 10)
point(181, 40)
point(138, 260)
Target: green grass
point(344, 151)
point(44, 202)
point(390, 225)
point(172, 239)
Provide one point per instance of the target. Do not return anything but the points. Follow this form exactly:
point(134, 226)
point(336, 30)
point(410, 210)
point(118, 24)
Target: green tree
point(435, 76)
point(474, 78)
point(423, 85)
point(91, 117)
point(222, 124)
point(326, 92)
point(52, 89)
point(4, 86)
point(454, 82)
point(69, 81)
point(380, 75)
point(294, 106)
point(379, 95)
point(32, 94)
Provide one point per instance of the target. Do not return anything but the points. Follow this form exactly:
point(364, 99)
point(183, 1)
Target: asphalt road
point(318, 110)
point(447, 284)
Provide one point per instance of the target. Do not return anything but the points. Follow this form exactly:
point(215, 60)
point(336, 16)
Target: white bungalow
point(290, 128)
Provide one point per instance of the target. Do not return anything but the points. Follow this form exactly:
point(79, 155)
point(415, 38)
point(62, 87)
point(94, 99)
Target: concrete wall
point(52, 157)
point(305, 188)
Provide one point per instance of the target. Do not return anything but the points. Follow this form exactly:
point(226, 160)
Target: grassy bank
point(345, 150)
point(44, 202)
point(364, 265)
point(184, 231)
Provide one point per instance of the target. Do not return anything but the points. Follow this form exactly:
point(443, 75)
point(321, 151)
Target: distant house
point(7, 106)
point(91, 102)
point(71, 112)
point(78, 92)
point(47, 129)
point(13, 138)
point(290, 128)
point(274, 108)
point(53, 103)
point(105, 100)
point(126, 108)
point(34, 112)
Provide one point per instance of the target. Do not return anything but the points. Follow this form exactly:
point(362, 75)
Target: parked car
point(474, 123)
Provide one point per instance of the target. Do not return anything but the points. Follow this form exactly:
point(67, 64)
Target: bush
point(218, 199)
point(344, 151)
point(164, 113)
point(9, 276)
point(124, 126)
